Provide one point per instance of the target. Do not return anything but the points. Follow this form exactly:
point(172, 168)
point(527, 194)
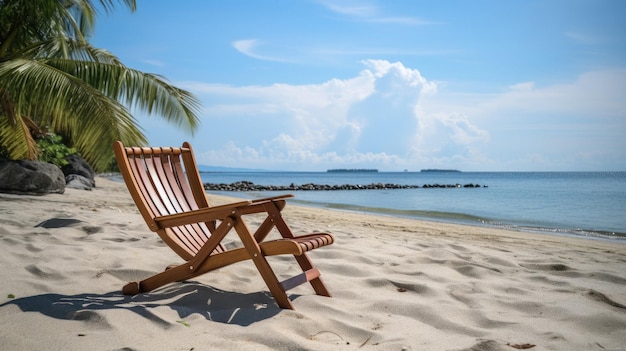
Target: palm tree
point(52, 78)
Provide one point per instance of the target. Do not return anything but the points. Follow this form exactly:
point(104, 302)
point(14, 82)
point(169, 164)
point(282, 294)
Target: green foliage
point(52, 150)
point(51, 76)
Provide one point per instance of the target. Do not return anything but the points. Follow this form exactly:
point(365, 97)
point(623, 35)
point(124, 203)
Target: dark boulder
point(77, 165)
point(76, 181)
point(30, 178)
point(78, 173)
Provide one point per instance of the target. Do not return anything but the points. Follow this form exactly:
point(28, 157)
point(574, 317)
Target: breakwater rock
point(250, 186)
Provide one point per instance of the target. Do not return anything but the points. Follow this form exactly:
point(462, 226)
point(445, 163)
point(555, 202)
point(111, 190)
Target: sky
point(310, 85)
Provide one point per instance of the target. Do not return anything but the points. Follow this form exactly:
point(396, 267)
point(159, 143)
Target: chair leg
point(276, 219)
point(170, 275)
point(279, 294)
point(262, 265)
point(132, 288)
point(317, 283)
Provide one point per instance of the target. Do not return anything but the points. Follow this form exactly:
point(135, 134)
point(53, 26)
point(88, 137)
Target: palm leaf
point(16, 139)
point(70, 106)
point(148, 92)
point(50, 76)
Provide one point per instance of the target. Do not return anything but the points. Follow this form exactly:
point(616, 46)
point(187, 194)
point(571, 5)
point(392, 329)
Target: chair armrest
point(217, 212)
point(260, 205)
point(201, 215)
point(272, 198)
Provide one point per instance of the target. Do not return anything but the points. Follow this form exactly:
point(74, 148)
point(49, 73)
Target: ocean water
point(590, 204)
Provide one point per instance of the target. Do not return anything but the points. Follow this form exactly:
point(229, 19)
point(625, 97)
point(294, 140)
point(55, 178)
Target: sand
point(397, 284)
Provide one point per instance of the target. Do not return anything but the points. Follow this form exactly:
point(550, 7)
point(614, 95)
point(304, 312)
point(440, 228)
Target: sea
point(581, 204)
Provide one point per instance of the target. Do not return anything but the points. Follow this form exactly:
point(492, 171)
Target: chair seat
point(297, 245)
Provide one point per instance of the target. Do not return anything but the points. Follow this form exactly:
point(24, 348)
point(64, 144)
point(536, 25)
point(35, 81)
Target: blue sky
point(307, 85)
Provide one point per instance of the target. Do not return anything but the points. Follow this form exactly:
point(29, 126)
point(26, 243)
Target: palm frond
point(109, 4)
point(148, 92)
point(51, 77)
point(7, 108)
point(17, 139)
point(23, 22)
point(70, 106)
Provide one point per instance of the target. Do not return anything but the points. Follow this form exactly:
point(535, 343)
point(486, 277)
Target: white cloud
point(245, 46)
point(391, 117)
point(563, 123)
point(371, 120)
point(411, 76)
point(248, 47)
point(597, 92)
point(369, 13)
point(351, 8)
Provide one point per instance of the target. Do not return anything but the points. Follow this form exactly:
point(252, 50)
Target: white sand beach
point(397, 284)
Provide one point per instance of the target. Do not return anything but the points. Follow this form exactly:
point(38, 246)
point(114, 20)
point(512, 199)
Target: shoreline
point(249, 190)
point(474, 222)
point(397, 284)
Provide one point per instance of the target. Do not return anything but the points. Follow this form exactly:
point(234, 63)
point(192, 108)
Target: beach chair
point(165, 184)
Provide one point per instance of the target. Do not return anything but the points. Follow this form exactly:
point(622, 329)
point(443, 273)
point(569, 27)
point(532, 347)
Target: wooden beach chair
point(165, 184)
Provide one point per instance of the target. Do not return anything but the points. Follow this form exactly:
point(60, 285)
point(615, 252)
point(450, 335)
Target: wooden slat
point(298, 245)
point(181, 247)
point(193, 176)
point(183, 236)
point(191, 234)
point(184, 185)
point(195, 201)
point(170, 174)
point(157, 186)
point(207, 233)
point(201, 231)
point(130, 178)
point(161, 164)
point(194, 235)
point(145, 186)
point(153, 190)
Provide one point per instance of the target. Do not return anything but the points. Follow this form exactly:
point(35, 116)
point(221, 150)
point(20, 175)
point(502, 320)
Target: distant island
point(345, 170)
point(440, 170)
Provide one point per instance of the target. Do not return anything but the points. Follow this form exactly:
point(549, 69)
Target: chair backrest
point(162, 181)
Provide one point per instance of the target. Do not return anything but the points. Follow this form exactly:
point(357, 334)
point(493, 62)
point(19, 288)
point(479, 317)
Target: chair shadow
point(185, 298)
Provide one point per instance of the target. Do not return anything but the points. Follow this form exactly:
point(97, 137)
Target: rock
point(30, 178)
point(78, 173)
point(250, 186)
point(76, 181)
point(77, 165)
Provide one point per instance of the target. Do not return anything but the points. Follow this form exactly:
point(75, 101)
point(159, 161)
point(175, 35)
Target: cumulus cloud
point(371, 120)
point(561, 122)
point(391, 117)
